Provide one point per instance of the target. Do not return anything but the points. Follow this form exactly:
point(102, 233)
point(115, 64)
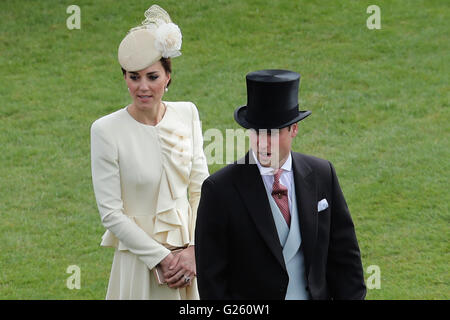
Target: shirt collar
point(268, 171)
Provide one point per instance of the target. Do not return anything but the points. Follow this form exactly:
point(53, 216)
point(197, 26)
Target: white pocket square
point(322, 205)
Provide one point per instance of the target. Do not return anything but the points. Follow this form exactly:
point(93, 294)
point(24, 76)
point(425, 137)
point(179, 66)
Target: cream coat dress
point(147, 182)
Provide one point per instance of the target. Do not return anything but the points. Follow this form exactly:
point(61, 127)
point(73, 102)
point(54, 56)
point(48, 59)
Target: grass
point(380, 103)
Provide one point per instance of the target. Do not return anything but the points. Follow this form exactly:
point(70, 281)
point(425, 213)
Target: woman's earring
point(166, 89)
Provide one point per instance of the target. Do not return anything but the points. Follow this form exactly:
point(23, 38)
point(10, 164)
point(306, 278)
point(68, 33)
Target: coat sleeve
point(344, 268)
point(211, 249)
point(107, 189)
point(199, 171)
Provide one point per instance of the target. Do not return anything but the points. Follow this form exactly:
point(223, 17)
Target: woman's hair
point(167, 65)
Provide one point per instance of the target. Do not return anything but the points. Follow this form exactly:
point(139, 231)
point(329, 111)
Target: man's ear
point(294, 130)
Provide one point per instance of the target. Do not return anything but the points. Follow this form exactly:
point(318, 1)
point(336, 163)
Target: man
point(275, 225)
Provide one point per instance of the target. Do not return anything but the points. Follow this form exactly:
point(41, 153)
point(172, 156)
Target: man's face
point(272, 147)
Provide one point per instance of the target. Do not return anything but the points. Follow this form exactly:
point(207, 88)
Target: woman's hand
point(165, 263)
point(181, 269)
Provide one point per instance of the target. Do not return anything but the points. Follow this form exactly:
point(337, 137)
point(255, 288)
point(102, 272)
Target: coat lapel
point(253, 193)
point(305, 189)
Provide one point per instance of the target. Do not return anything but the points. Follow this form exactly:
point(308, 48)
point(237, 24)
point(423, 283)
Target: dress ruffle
point(171, 225)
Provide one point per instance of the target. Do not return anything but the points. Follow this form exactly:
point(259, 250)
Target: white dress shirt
point(286, 178)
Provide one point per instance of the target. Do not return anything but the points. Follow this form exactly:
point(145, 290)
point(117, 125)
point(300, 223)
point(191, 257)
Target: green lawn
point(380, 103)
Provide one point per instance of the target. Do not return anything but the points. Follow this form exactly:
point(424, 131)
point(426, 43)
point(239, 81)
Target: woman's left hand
point(182, 269)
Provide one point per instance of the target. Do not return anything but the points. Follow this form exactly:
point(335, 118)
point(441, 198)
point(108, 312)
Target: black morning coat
point(238, 253)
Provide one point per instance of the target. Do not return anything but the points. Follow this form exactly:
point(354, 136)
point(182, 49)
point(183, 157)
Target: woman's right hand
point(183, 269)
point(165, 263)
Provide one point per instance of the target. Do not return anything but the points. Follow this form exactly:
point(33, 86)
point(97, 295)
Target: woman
point(147, 158)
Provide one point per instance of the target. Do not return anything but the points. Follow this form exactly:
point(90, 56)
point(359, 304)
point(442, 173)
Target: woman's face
point(147, 86)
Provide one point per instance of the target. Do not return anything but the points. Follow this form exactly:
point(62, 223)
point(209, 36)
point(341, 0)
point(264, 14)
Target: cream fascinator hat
point(144, 45)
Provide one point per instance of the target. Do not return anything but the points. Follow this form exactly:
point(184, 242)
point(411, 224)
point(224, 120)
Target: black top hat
point(272, 100)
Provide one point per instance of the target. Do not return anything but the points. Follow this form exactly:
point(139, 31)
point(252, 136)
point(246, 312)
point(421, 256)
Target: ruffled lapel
point(176, 152)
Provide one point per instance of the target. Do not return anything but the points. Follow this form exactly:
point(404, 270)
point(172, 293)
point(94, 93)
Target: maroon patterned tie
point(279, 194)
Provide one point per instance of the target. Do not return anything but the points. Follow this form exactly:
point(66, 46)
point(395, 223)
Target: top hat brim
point(240, 115)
